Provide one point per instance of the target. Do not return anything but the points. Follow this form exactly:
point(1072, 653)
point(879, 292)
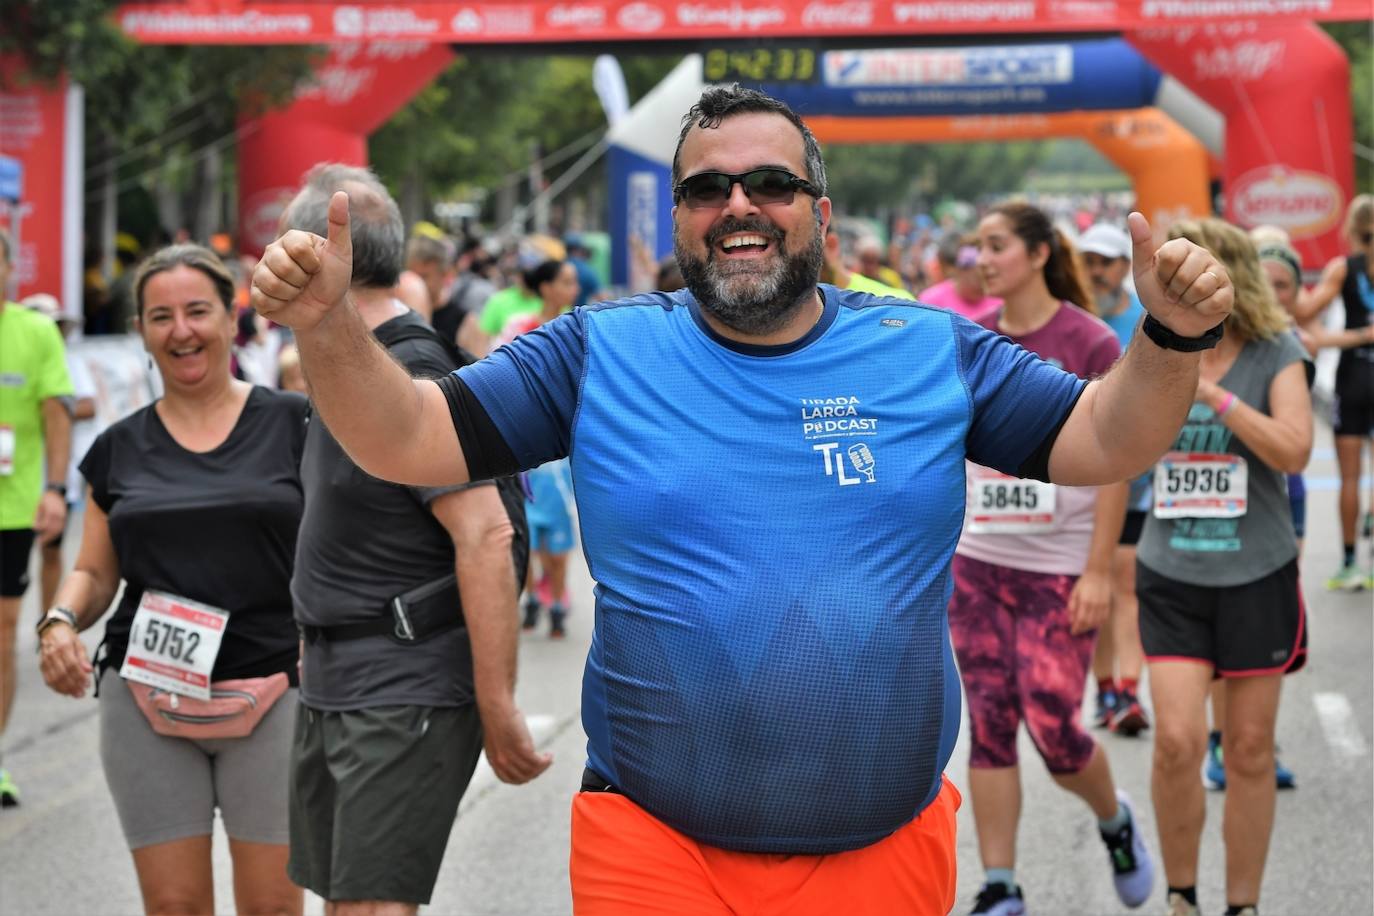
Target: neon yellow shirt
point(859, 282)
point(33, 368)
point(504, 305)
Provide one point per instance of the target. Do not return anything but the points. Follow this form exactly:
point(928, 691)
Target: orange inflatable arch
point(1168, 167)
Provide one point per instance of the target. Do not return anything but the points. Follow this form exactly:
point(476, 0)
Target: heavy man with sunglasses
point(770, 481)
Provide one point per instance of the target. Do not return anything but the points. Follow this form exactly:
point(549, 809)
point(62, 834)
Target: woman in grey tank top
point(1217, 577)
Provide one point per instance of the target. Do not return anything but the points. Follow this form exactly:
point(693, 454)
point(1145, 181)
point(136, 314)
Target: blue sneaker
point(1106, 709)
point(1133, 871)
point(1283, 777)
point(1213, 771)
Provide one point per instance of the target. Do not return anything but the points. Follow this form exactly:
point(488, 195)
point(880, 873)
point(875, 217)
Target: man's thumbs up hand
point(1180, 283)
point(301, 276)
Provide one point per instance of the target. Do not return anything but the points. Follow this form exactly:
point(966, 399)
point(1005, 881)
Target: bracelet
point(54, 616)
point(1227, 403)
point(1168, 340)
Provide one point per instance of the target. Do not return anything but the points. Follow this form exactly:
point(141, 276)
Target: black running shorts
point(1352, 417)
point(374, 793)
point(15, 546)
point(1242, 630)
point(1132, 527)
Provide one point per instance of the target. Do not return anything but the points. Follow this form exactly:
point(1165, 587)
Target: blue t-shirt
point(771, 530)
point(1125, 321)
point(588, 281)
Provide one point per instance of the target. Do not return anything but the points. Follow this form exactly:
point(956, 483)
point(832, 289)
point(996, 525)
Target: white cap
point(1106, 240)
point(44, 304)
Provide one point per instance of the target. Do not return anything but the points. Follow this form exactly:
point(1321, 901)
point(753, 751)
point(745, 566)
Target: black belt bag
point(592, 781)
point(414, 616)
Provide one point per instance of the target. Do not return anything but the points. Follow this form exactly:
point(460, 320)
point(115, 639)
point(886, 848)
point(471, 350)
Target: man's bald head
point(376, 226)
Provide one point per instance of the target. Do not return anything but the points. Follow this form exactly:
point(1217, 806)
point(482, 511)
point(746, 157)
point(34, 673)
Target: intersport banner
point(233, 22)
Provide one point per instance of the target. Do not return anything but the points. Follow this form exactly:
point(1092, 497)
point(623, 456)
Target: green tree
point(1357, 41)
point(160, 119)
point(908, 178)
point(475, 129)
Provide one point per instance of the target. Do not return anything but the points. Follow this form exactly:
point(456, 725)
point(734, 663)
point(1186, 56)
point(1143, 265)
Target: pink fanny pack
point(234, 709)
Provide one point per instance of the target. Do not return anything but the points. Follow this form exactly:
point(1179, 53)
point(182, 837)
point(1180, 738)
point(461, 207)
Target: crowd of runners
point(375, 452)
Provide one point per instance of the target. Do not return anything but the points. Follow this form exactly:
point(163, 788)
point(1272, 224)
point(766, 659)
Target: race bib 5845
point(1002, 504)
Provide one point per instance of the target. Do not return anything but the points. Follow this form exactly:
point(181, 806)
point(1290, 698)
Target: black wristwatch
point(59, 488)
point(1163, 337)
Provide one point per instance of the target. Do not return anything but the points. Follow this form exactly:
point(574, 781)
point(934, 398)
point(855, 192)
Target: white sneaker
point(1180, 907)
point(1348, 579)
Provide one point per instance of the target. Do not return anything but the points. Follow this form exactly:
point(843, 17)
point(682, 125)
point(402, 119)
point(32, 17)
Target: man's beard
point(739, 294)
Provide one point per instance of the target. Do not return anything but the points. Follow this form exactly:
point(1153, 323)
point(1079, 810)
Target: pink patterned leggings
point(1019, 662)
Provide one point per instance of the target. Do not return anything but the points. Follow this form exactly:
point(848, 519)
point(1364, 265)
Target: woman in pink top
point(1032, 580)
point(962, 289)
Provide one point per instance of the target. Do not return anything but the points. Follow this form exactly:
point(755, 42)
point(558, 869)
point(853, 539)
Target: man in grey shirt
point(406, 601)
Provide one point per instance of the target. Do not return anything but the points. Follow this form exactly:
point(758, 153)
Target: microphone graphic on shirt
point(861, 456)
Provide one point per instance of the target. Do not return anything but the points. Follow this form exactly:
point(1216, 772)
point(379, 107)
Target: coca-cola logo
point(640, 17)
point(1304, 203)
point(838, 15)
point(576, 16)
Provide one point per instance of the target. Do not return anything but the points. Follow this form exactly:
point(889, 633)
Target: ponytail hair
point(1062, 271)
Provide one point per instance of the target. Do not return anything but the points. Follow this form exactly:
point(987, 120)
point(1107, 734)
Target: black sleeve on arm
point(1037, 463)
point(485, 451)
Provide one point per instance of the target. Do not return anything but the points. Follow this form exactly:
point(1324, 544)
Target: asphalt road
point(61, 852)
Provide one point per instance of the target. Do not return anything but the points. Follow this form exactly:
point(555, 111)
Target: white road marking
point(1338, 721)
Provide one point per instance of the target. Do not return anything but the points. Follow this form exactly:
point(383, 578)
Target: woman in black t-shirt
point(196, 497)
point(1352, 415)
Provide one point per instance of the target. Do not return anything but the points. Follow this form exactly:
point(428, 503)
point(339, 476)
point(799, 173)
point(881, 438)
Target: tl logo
point(860, 458)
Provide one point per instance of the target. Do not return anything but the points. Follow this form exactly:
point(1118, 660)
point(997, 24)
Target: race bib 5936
point(1201, 485)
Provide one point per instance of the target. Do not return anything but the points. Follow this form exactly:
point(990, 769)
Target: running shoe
point(9, 792)
point(1348, 579)
point(1248, 911)
point(1214, 771)
point(996, 900)
point(1283, 777)
point(1213, 768)
point(1129, 718)
point(556, 614)
point(1179, 906)
point(1133, 871)
point(1106, 708)
point(530, 607)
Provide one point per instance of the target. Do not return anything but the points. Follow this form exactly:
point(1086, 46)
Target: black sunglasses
point(711, 190)
point(1366, 238)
